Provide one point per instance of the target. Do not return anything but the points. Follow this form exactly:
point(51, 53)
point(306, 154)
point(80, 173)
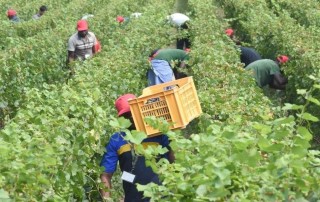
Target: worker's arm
point(71, 51)
point(71, 57)
point(279, 82)
point(93, 50)
point(171, 156)
point(106, 180)
point(109, 162)
point(166, 143)
point(183, 64)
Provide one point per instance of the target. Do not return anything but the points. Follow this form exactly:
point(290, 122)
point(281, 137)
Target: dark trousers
point(184, 42)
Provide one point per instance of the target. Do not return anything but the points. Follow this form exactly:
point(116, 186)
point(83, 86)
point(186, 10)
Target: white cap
point(178, 18)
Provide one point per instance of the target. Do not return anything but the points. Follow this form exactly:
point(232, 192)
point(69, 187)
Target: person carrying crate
point(133, 166)
point(161, 65)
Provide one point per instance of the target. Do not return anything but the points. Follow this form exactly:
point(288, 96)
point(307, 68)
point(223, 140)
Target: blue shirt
point(118, 149)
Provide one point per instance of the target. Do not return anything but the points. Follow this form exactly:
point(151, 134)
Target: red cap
point(122, 103)
point(283, 59)
point(120, 19)
point(229, 32)
point(82, 25)
point(11, 12)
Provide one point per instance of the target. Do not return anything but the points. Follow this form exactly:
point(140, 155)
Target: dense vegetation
point(246, 146)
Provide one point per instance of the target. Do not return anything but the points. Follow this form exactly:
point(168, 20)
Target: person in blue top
point(248, 55)
point(161, 61)
point(122, 151)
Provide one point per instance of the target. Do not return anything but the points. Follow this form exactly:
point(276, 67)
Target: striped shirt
point(82, 47)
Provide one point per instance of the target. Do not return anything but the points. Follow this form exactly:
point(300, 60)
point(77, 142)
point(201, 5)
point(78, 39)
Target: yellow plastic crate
point(176, 101)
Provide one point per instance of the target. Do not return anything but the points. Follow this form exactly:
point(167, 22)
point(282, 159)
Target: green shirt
point(264, 70)
point(171, 55)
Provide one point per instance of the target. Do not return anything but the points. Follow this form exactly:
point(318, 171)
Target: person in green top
point(267, 72)
point(161, 65)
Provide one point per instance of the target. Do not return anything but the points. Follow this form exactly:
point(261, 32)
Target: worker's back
point(248, 55)
point(263, 71)
point(171, 55)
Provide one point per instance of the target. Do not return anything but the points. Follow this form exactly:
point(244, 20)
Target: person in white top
point(81, 45)
point(181, 22)
point(136, 15)
point(178, 19)
point(42, 10)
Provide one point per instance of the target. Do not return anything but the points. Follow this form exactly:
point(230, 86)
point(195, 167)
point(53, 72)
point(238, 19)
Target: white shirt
point(136, 15)
point(178, 18)
point(85, 17)
point(82, 47)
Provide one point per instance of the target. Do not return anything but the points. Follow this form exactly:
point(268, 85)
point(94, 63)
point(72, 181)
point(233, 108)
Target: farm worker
point(230, 33)
point(123, 20)
point(161, 65)
point(248, 55)
point(97, 47)
point(12, 15)
point(180, 21)
point(267, 72)
point(132, 165)
point(81, 45)
point(42, 10)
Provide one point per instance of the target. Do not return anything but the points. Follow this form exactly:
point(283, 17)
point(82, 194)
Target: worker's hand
point(106, 196)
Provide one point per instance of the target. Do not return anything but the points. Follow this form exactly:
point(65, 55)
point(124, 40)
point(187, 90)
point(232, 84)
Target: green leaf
point(274, 148)
point(114, 123)
point(263, 143)
point(264, 129)
point(124, 123)
point(292, 106)
point(136, 137)
point(182, 186)
point(309, 117)
point(314, 100)
point(229, 134)
point(285, 120)
point(201, 190)
point(299, 151)
point(4, 194)
point(301, 91)
point(89, 100)
point(304, 132)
